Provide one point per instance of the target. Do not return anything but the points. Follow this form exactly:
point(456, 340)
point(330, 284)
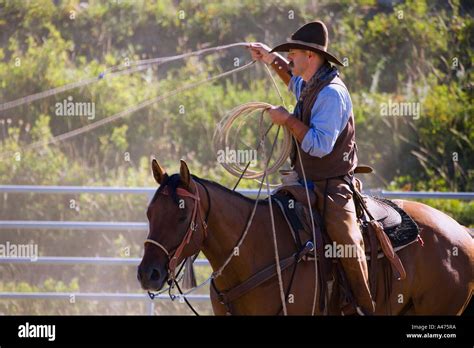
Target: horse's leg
point(439, 274)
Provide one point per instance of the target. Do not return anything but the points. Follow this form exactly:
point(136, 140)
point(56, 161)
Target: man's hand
point(260, 52)
point(278, 114)
point(282, 117)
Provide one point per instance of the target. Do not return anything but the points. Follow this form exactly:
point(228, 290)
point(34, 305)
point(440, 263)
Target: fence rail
point(97, 296)
point(248, 192)
point(74, 225)
point(71, 260)
point(93, 296)
point(129, 226)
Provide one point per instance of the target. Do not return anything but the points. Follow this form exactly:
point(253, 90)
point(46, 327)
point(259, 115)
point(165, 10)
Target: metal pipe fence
point(128, 226)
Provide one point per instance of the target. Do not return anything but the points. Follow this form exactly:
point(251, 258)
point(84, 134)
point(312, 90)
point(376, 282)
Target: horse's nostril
point(155, 275)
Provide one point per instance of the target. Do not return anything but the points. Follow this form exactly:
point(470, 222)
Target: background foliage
point(400, 51)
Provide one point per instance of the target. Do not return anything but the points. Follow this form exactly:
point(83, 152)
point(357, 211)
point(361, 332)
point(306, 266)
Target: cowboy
point(323, 125)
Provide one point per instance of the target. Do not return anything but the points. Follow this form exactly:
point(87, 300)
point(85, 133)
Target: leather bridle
point(225, 297)
point(173, 257)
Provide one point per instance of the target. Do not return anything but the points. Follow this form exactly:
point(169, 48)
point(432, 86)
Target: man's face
point(299, 61)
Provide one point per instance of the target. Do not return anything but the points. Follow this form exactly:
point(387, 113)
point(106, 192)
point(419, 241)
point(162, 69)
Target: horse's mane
point(173, 181)
point(225, 189)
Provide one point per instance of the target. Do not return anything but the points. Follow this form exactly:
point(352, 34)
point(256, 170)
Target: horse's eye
point(182, 218)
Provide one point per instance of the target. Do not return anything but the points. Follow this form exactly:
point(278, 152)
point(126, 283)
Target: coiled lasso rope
point(221, 140)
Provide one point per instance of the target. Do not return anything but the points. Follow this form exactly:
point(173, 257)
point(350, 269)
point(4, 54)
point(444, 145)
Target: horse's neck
point(228, 217)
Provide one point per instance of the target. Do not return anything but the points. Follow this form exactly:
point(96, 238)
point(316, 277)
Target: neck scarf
point(325, 72)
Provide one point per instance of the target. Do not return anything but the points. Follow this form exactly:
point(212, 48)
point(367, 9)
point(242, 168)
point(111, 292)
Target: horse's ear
point(158, 172)
point(184, 174)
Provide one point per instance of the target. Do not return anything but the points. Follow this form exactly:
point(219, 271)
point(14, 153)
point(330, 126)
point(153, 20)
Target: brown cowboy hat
point(312, 37)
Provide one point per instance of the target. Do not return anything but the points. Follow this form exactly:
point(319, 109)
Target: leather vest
point(341, 160)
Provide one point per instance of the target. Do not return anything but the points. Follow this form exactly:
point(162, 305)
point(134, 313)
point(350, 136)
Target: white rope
point(221, 140)
point(117, 70)
point(313, 228)
point(158, 245)
point(275, 244)
point(127, 111)
point(218, 273)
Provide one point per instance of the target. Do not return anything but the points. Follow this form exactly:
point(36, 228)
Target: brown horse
point(439, 274)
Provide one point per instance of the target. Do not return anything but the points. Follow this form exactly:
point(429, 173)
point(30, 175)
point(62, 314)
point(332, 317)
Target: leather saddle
point(383, 212)
point(293, 202)
point(380, 210)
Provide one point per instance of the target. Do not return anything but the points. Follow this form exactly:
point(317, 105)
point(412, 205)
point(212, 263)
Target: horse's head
point(177, 228)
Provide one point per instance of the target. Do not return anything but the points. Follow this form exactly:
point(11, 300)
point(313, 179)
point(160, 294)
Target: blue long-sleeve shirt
point(329, 117)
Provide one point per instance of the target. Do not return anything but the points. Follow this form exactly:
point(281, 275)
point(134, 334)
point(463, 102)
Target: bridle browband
point(192, 227)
